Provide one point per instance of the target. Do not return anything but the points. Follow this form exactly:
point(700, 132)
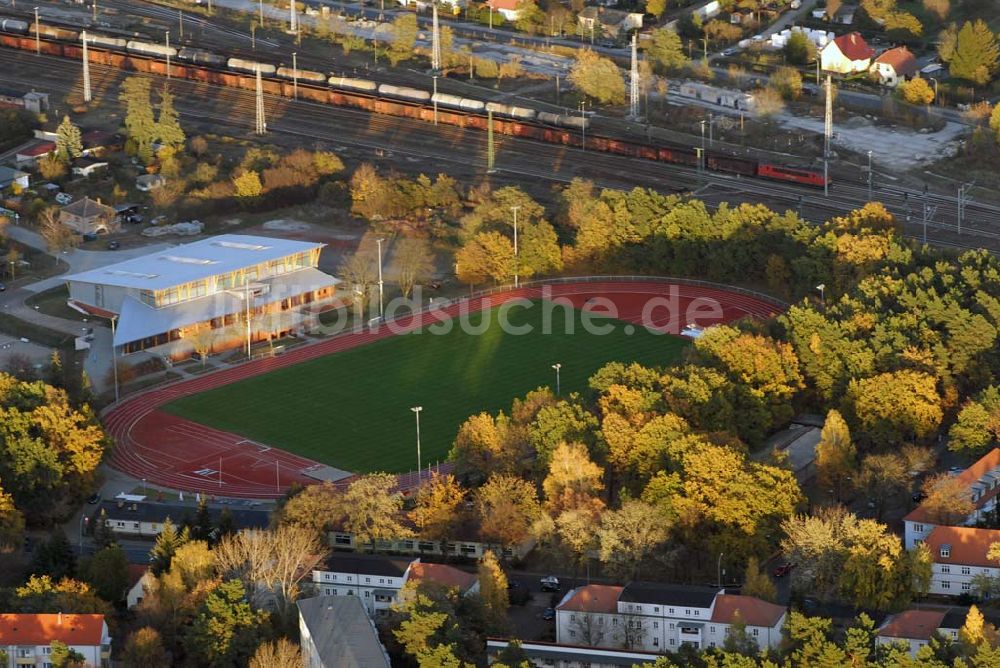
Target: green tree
point(103, 534)
point(144, 649)
point(404, 36)
point(977, 54)
point(168, 126)
point(140, 124)
point(656, 7)
point(757, 583)
point(107, 573)
point(978, 423)
point(226, 630)
point(248, 186)
point(799, 49)
point(63, 656)
point(11, 523)
point(787, 81)
point(372, 510)
point(55, 557)
point(667, 50)
point(167, 542)
point(598, 77)
point(201, 526)
point(69, 144)
point(493, 591)
point(836, 456)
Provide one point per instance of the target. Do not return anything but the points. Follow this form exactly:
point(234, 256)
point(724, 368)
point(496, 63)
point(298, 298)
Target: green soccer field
point(351, 409)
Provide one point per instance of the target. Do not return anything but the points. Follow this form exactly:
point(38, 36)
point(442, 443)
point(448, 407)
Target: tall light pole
point(168, 54)
point(583, 125)
point(517, 280)
point(702, 123)
point(114, 355)
point(416, 411)
point(869, 176)
point(434, 98)
point(261, 6)
point(822, 294)
point(718, 568)
point(38, 37)
point(87, 97)
point(557, 366)
point(246, 298)
point(295, 75)
point(381, 314)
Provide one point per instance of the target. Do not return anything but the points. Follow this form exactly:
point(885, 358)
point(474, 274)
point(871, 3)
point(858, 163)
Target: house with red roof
point(446, 576)
point(982, 480)
point(959, 554)
point(27, 638)
point(31, 154)
point(894, 66)
point(914, 628)
point(847, 54)
point(507, 8)
point(653, 617)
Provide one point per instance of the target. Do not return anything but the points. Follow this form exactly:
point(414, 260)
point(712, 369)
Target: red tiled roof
point(969, 476)
point(593, 598)
point(38, 150)
point(968, 545)
point(448, 576)
point(900, 59)
point(23, 629)
point(912, 624)
point(854, 46)
point(504, 4)
point(752, 611)
point(135, 573)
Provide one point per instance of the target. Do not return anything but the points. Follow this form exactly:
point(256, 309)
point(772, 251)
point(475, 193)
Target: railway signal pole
point(633, 83)
point(261, 122)
point(435, 41)
point(86, 68)
point(963, 200)
point(827, 136)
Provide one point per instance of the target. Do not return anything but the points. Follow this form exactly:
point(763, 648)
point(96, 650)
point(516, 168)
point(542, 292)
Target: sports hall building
point(201, 294)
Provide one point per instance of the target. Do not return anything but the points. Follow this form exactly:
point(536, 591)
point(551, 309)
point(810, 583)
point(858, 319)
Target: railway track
point(524, 158)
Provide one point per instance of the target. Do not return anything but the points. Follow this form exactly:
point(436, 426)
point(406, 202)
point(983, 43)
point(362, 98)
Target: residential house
point(709, 10)
point(30, 155)
point(914, 628)
point(847, 54)
point(97, 143)
point(336, 632)
point(742, 17)
point(147, 182)
point(611, 22)
point(144, 519)
point(27, 638)
point(466, 544)
point(983, 482)
point(86, 216)
point(377, 579)
point(959, 555)
point(654, 617)
point(845, 15)
point(556, 655)
point(88, 166)
point(140, 579)
point(507, 8)
point(10, 177)
point(895, 66)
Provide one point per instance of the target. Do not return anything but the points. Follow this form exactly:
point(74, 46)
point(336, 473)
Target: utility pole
point(517, 281)
point(381, 302)
point(435, 42)
point(295, 75)
point(260, 4)
point(963, 200)
point(38, 36)
point(293, 19)
point(827, 135)
point(261, 122)
point(870, 176)
point(95, 10)
point(434, 97)
point(927, 208)
point(583, 125)
point(86, 68)
point(168, 54)
point(416, 411)
point(180, 23)
point(633, 83)
point(489, 142)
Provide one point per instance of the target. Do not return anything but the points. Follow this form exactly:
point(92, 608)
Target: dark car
point(3, 287)
point(550, 613)
point(918, 497)
point(783, 570)
point(114, 245)
point(94, 500)
point(549, 583)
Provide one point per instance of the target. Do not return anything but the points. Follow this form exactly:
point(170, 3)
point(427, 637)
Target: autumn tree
point(656, 7)
point(903, 26)
point(882, 477)
point(916, 91)
point(757, 583)
point(69, 143)
point(629, 535)
point(11, 524)
point(414, 264)
point(56, 235)
point(573, 479)
point(140, 124)
point(144, 649)
point(598, 77)
point(666, 49)
point(493, 591)
point(487, 255)
point(977, 54)
point(507, 507)
point(280, 653)
point(372, 509)
point(799, 49)
point(51, 167)
point(226, 629)
point(168, 127)
point(404, 36)
point(247, 186)
point(360, 272)
point(978, 425)
point(788, 82)
point(438, 507)
point(949, 500)
point(316, 507)
point(836, 456)
point(768, 103)
point(894, 407)
point(939, 8)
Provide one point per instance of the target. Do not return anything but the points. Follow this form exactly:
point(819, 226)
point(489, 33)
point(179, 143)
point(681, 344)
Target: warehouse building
point(201, 296)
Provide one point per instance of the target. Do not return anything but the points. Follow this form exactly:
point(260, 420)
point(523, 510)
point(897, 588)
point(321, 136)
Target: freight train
point(206, 66)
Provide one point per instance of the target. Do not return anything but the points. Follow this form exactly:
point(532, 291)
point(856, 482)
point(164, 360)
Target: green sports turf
point(351, 409)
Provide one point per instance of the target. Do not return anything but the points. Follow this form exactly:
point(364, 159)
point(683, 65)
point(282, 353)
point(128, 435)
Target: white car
point(64, 198)
point(550, 583)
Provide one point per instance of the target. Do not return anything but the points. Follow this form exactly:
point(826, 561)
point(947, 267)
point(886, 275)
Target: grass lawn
point(352, 409)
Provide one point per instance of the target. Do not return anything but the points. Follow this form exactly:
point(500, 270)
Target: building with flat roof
point(211, 294)
point(336, 632)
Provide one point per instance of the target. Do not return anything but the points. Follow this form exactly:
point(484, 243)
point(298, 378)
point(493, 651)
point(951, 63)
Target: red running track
point(179, 454)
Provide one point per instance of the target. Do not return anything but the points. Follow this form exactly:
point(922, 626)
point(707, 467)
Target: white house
point(27, 638)
point(336, 632)
point(959, 555)
point(654, 617)
point(140, 580)
point(377, 580)
point(10, 177)
point(847, 54)
point(144, 519)
point(983, 481)
point(914, 628)
point(894, 66)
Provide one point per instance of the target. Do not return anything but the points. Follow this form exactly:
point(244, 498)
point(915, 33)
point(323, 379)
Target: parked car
point(114, 245)
point(550, 583)
point(94, 500)
point(549, 614)
point(783, 570)
point(133, 218)
point(3, 287)
point(64, 198)
point(918, 497)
